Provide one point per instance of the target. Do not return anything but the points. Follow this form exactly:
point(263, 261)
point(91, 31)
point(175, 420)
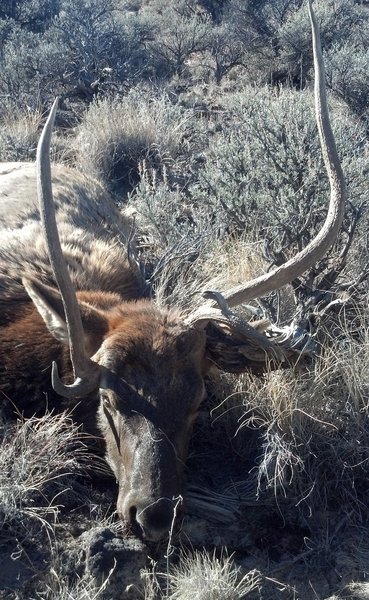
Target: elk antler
point(259, 349)
point(328, 233)
point(86, 372)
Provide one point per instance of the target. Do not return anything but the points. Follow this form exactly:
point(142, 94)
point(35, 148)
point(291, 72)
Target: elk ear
point(49, 304)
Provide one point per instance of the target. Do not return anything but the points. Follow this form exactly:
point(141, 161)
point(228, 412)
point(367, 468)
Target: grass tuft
point(19, 133)
point(116, 135)
point(204, 577)
point(39, 457)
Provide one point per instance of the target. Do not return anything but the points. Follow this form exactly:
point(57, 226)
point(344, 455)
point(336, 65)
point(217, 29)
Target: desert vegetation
point(197, 115)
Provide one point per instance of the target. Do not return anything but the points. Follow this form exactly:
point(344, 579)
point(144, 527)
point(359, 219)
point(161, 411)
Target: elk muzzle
point(152, 520)
point(149, 495)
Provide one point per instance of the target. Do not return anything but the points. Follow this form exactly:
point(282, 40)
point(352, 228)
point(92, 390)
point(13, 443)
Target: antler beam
point(85, 370)
point(294, 267)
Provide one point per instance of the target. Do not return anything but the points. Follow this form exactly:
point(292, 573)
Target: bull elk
point(133, 369)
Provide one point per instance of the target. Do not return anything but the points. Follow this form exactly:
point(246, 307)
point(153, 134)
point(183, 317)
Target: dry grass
point(312, 424)
point(354, 591)
point(200, 576)
point(58, 588)
point(311, 456)
point(203, 577)
point(38, 456)
point(198, 262)
point(19, 133)
point(42, 462)
point(116, 135)
point(233, 261)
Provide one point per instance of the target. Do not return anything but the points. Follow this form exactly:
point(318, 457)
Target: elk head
point(146, 363)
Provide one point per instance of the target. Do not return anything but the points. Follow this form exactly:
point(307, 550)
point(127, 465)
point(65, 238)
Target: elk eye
point(107, 404)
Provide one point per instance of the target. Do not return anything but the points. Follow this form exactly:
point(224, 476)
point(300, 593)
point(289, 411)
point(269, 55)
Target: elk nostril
point(156, 519)
point(135, 526)
point(151, 521)
point(133, 514)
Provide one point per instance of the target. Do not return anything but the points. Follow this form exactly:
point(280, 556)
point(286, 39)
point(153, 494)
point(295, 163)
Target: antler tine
point(328, 233)
point(85, 370)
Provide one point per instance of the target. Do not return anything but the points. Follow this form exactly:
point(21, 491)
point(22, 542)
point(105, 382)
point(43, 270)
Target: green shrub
point(104, 47)
point(264, 171)
point(32, 15)
point(347, 21)
point(348, 77)
point(27, 60)
point(179, 33)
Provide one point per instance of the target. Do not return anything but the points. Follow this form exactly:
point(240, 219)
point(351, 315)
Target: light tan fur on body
point(93, 233)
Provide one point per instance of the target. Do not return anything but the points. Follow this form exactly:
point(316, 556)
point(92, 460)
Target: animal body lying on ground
point(126, 366)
